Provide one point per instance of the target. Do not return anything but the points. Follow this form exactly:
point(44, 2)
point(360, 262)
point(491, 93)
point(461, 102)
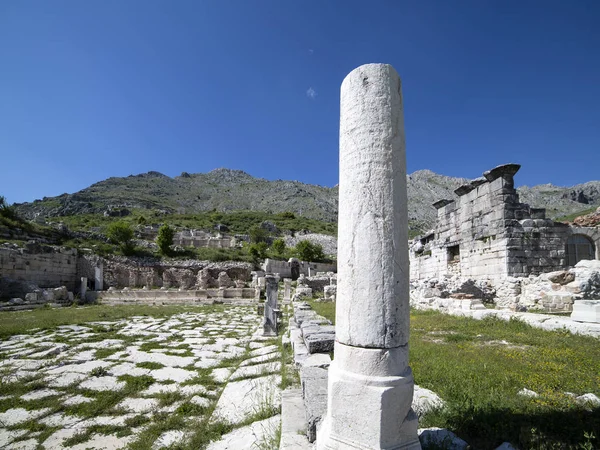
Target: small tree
point(257, 234)
point(278, 246)
point(308, 251)
point(119, 232)
point(7, 210)
point(258, 251)
point(164, 240)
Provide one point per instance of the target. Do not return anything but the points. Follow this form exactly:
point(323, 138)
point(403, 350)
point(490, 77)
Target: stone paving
point(142, 382)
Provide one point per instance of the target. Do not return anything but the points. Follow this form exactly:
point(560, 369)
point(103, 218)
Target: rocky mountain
point(231, 190)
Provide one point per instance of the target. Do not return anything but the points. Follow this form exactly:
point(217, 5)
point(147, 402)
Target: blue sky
point(93, 89)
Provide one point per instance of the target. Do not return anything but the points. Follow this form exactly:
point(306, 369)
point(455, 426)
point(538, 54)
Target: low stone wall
point(284, 268)
point(176, 297)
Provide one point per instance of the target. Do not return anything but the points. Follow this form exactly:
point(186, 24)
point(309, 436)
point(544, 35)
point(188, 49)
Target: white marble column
point(370, 383)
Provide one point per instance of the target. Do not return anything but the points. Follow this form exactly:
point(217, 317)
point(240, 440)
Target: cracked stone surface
point(126, 373)
point(249, 436)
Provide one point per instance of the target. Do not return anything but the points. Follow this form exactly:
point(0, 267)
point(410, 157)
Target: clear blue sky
point(92, 89)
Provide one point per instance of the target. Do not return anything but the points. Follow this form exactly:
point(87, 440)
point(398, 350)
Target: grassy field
point(478, 366)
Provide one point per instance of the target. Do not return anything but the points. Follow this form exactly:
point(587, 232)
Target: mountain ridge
point(224, 189)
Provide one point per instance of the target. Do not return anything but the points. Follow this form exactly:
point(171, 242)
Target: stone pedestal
point(271, 309)
point(586, 311)
point(83, 288)
point(370, 382)
point(287, 290)
point(98, 278)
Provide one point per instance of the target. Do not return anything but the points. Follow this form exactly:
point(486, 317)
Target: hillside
point(234, 190)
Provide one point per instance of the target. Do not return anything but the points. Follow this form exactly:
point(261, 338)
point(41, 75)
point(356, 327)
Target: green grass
point(571, 217)
point(325, 309)
point(465, 363)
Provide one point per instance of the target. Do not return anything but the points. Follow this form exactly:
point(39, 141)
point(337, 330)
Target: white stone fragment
point(76, 400)
point(28, 444)
point(60, 420)
point(168, 439)
point(172, 373)
point(264, 350)
point(242, 398)
point(200, 401)
point(7, 436)
point(222, 374)
point(424, 400)
point(250, 436)
point(589, 398)
point(138, 405)
point(158, 388)
point(528, 393)
point(15, 416)
point(441, 438)
point(41, 393)
point(256, 370)
point(104, 442)
point(260, 359)
point(128, 369)
point(103, 384)
point(65, 379)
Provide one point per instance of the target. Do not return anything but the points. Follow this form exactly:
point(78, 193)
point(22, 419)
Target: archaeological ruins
point(486, 245)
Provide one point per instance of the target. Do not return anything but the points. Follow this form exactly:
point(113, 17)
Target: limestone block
point(314, 393)
point(586, 311)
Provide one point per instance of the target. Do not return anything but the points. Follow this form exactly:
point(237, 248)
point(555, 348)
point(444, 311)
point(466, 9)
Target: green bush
point(121, 233)
point(164, 239)
point(278, 246)
point(309, 251)
point(258, 234)
point(7, 211)
point(258, 251)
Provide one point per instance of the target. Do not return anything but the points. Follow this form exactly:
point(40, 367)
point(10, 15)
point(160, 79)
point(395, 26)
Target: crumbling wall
point(486, 233)
point(42, 265)
point(120, 272)
point(284, 268)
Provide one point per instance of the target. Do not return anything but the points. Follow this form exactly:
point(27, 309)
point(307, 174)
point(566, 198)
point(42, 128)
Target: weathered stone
point(314, 392)
point(586, 311)
point(224, 281)
point(370, 376)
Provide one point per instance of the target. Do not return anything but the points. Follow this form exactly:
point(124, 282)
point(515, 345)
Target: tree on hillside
point(121, 233)
point(7, 210)
point(309, 251)
point(258, 234)
point(164, 239)
point(278, 246)
point(258, 251)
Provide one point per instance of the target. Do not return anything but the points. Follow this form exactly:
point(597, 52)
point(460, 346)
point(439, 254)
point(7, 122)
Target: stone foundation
point(176, 297)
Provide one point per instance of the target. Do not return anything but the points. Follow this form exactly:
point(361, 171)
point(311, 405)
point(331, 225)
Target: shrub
point(258, 251)
point(164, 239)
point(278, 246)
point(121, 233)
point(6, 210)
point(308, 251)
point(258, 234)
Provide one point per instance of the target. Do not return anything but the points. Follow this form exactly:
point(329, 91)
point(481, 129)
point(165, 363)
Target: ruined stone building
point(487, 234)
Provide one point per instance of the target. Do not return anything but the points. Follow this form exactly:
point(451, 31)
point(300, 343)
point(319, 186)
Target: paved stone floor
point(142, 382)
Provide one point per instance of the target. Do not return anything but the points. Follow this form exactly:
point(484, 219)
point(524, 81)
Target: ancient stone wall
point(42, 265)
point(137, 273)
point(488, 234)
point(284, 268)
point(176, 296)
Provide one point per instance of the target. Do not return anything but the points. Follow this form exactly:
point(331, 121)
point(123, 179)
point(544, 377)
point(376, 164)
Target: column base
point(368, 412)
